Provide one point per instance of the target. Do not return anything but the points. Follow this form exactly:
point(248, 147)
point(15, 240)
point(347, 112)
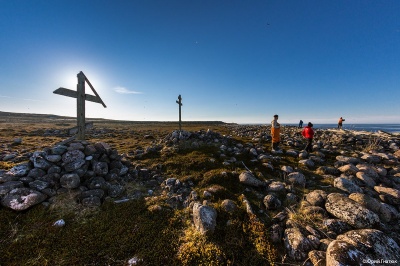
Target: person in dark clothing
point(340, 123)
point(308, 133)
point(301, 123)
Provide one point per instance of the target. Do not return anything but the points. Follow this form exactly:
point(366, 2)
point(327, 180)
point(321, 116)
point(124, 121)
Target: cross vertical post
point(81, 106)
point(180, 104)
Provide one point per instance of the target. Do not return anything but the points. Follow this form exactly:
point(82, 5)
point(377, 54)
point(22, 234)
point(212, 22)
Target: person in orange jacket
point(340, 123)
point(275, 133)
point(308, 133)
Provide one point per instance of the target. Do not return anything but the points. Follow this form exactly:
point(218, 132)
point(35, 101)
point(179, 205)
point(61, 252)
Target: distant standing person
point(308, 133)
point(275, 133)
point(301, 123)
point(340, 123)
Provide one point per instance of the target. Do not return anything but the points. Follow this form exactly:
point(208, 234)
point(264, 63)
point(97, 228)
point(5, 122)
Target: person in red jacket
point(308, 133)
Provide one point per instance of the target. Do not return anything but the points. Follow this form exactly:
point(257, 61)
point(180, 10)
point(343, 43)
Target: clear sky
point(234, 61)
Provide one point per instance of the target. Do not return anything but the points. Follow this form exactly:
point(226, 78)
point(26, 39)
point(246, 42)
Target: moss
point(112, 235)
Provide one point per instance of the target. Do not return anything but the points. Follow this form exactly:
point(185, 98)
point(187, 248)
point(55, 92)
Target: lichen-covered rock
point(336, 225)
point(276, 233)
point(297, 245)
point(272, 202)
point(91, 202)
point(228, 205)
point(70, 181)
point(100, 168)
point(317, 198)
point(368, 170)
point(349, 169)
point(204, 218)
point(307, 162)
point(350, 211)
point(297, 178)
point(347, 159)
point(372, 242)
point(366, 201)
point(20, 199)
point(249, 179)
point(346, 185)
point(39, 160)
point(276, 186)
point(392, 193)
point(8, 186)
point(343, 253)
point(369, 181)
point(327, 170)
point(19, 170)
point(73, 160)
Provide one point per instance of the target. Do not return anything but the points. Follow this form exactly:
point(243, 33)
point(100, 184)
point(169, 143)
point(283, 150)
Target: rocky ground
point(338, 205)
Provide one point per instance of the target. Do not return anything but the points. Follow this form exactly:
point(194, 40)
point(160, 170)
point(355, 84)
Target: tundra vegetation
point(149, 229)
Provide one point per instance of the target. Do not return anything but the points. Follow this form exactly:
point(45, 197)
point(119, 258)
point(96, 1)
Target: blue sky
point(235, 61)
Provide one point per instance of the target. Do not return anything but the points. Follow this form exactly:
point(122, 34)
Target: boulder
point(8, 186)
point(297, 245)
point(392, 193)
point(73, 160)
point(272, 202)
point(204, 218)
point(317, 198)
point(19, 170)
point(369, 181)
point(20, 199)
point(70, 181)
point(346, 185)
point(297, 178)
point(351, 211)
point(348, 169)
point(343, 253)
point(372, 242)
point(249, 179)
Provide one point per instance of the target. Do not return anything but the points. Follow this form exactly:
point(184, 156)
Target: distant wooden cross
point(81, 97)
point(180, 104)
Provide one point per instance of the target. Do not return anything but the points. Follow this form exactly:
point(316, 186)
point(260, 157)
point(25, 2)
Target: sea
point(389, 128)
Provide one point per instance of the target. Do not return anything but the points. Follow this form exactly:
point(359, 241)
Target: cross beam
point(81, 97)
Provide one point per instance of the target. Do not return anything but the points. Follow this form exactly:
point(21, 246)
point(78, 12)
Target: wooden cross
point(81, 97)
point(180, 104)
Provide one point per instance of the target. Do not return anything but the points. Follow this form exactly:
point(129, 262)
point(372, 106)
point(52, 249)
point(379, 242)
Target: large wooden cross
point(81, 97)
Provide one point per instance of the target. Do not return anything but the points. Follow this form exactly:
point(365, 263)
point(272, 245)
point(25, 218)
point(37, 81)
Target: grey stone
point(204, 218)
point(343, 253)
point(91, 202)
point(20, 199)
point(19, 170)
point(350, 211)
point(100, 168)
point(228, 205)
point(317, 198)
point(70, 181)
point(346, 185)
point(297, 178)
point(249, 179)
point(372, 242)
point(297, 245)
point(271, 202)
point(8, 186)
point(39, 185)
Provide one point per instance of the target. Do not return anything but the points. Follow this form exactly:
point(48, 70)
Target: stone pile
point(95, 170)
